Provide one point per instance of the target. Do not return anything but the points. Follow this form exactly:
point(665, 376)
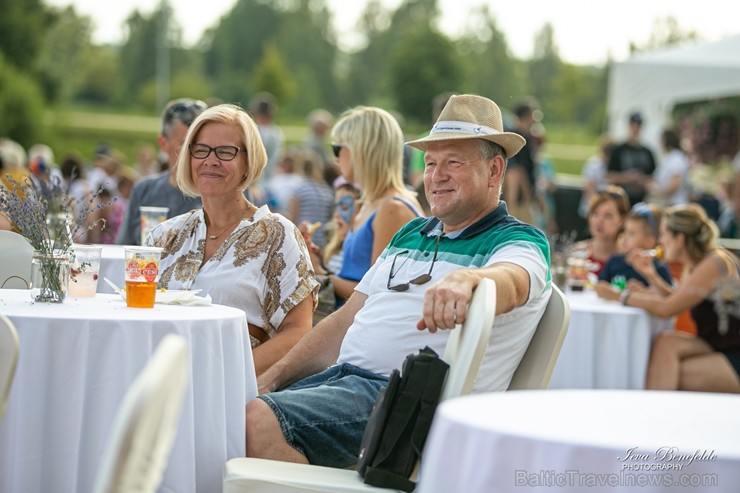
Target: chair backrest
point(15, 261)
point(9, 348)
point(146, 423)
point(535, 369)
point(467, 345)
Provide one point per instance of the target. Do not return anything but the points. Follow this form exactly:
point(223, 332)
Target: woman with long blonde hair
point(368, 145)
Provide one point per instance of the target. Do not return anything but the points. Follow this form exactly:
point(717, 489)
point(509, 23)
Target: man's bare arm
point(316, 351)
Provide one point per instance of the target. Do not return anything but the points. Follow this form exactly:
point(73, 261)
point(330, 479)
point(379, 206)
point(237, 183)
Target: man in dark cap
point(631, 163)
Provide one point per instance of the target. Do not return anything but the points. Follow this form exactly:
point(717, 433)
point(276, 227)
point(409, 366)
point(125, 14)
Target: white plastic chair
point(464, 352)
point(15, 261)
point(536, 367)
point(145, 426)
point(9, 349)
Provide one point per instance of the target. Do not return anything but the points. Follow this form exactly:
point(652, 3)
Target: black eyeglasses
point(224, 153)
point(422, 279)
point(336, 149)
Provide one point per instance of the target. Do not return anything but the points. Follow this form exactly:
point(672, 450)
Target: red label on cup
point(150, 272)
point(133, 270)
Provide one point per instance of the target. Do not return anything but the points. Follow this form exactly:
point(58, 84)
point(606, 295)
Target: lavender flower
point(43, 213)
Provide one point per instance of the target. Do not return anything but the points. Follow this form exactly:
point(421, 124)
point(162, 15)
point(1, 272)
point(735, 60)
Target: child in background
point(327, 263)
point(640, 237)
point(345, 200)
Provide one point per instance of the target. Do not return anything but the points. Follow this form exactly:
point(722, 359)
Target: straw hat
point(468, 116)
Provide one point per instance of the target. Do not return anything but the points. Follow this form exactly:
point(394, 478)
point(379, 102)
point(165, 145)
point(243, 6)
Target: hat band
point(462, 128)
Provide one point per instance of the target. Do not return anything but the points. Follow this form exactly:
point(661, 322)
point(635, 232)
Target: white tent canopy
point(653, 83)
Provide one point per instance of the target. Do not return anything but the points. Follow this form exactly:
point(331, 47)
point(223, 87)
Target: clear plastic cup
point(150, 218)
point(142, 274)
point(84, 271)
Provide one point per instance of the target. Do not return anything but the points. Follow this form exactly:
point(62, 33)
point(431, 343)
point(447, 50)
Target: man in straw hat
point(422, 282)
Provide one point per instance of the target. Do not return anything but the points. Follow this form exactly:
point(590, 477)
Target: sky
point(586, 31)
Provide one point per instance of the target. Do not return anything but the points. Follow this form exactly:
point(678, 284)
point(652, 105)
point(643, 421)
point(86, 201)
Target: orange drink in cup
point(142, 274)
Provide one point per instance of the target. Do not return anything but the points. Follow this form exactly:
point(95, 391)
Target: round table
point(584, 441)
point(76, 362)
point(607, 345)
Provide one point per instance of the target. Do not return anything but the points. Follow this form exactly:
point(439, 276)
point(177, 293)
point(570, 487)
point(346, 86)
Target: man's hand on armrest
point(446, 302)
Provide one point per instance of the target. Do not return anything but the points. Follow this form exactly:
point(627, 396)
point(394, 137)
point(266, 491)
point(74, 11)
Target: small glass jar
point(49, 277)
point(59, 226)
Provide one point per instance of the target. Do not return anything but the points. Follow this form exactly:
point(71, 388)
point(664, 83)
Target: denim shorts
point(324, 416)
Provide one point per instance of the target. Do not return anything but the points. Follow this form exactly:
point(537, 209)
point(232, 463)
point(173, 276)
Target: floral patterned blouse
point(263, 267)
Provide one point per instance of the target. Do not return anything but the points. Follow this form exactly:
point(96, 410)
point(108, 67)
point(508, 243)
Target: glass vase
point(59, 226)
point(49, 277)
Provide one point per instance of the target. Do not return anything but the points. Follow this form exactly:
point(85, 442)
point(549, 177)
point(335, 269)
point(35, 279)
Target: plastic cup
point(85, 270)
point(142, 274)
point(577, 273)
point(150, 218)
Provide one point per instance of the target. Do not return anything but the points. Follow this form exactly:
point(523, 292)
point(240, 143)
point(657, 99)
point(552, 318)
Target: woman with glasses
point(368, 145)
point(606, 214)
point(710, 288)
point(242, 255)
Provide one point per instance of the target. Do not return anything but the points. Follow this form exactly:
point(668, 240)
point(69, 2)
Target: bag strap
point(429, 400)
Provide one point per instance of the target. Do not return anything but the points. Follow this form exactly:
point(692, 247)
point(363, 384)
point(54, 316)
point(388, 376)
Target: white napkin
point(182, 297)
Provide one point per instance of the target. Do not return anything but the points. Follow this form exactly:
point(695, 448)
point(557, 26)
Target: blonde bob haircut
point(228, 114)
point(375, 143)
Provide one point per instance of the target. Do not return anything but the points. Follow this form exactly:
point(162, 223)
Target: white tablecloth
point(607, 345)
point(111, 266)
point(77, 360)
point(591, 441)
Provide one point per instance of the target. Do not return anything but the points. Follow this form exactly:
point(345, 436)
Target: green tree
point(370, 79)
point(271, 75)
point(544, 68)
point(20, 97)
point(491, 70)
point(256, 34)
point(21, 22)
point(98, 75)
point(423, 65)
point(147, 48)
point(64, 45)
point(580, 95)
point(665, 32)
point(235, 46)
point(364, 69)
point(307, 43)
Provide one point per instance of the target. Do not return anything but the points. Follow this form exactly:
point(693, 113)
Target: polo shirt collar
point(486, 222)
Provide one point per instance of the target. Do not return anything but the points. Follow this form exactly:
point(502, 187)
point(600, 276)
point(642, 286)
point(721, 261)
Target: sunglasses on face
point(336, 149)
point(224, 153)
point(417, 281)
point(185, 111)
